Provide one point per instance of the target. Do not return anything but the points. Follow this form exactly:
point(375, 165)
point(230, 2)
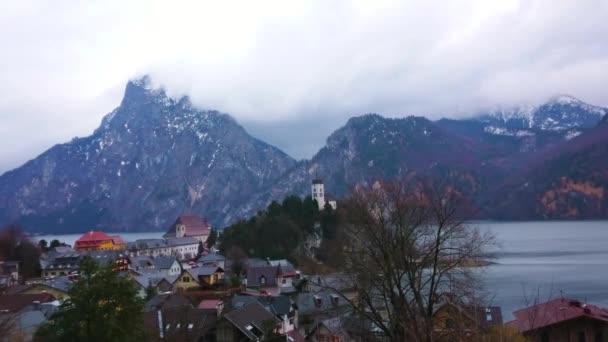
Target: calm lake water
point(548, 258)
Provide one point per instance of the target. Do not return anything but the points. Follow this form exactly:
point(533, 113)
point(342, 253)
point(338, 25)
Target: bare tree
point(406, 247)
point(7, 324)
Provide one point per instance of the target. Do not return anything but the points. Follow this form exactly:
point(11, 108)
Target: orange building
point(99, 241)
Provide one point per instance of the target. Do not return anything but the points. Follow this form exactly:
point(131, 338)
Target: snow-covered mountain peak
point(559, 113)
point(564, 99)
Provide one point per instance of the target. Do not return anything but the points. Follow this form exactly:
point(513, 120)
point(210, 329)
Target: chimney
point(160, 324)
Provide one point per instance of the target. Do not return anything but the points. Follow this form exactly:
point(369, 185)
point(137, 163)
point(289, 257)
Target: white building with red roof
point(189, 226)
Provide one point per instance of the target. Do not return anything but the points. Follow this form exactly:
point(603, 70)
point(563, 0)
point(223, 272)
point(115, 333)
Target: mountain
point(372, 147)
point(155, 157)
point(561, 113)
point(152, 159)
point(568, 181)
point(470, 155)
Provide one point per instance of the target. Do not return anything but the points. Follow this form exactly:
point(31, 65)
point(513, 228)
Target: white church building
point(318, 193)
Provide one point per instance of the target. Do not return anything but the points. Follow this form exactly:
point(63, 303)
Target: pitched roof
point(250, 318)
point(166, 301)
point(555, 311)
point(141, 261)
point(195, 226)
point(286, 266)
point(255, 274)
point(162, 262)
point(146, 243)
point(17, 302)
point(180, 241)
point(180, 324)
point(309, 303)
point(484, 317)
point(153, 279)
point(97, 236)
point(209, 303)
point(212, 257)
point(203, 271)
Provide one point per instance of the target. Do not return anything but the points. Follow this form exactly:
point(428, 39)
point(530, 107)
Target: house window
point(284, 281)
point(262, 280)
point(186, 279)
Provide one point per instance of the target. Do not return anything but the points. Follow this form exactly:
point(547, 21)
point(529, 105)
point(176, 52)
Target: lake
point(553, 258)
point(548, 258)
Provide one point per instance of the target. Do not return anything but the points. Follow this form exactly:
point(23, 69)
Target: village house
point(22, 314)
point(250, 322)
point(318, 306)
point(560, 320)
point(189, 226)
point(9, 274)
point(58, 287)
point(183, 248)
point(459, 321)
point(168, 266)
point(158, 282)
point(199, 277)
point(137, 263)
point(264, 278)
point(172, 317)
point(212, 259)
point(98, 241)
point(287, 275)
point(148, 247)
point(281, 306)
point(56, 264)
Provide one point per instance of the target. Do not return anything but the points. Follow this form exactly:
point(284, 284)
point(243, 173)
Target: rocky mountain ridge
point(152, 159)
point(155, 157)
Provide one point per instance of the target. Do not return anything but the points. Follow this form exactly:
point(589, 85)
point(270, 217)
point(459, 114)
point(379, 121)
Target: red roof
point(195, 226)
point(555, 311)
point(94, 237)
point(209, 303)
point(16, 302)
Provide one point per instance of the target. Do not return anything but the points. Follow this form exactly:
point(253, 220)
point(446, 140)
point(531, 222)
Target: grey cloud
point(279, 67)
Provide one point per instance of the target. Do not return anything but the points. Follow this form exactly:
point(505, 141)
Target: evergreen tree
point(212, 238)
point(274, 209)
point(102, 306)
point(43, 245)
point(201, 249)
point(56, 243)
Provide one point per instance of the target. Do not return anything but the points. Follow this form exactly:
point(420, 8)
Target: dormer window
point(318, 301)
point(334, 299)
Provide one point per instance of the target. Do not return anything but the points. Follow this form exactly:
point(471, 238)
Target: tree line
point(278, 231)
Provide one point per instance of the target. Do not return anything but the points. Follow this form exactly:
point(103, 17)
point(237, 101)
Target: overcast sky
point(290, 71)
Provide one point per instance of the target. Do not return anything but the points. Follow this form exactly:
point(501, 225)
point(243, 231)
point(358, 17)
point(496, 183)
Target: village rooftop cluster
point(192, 293)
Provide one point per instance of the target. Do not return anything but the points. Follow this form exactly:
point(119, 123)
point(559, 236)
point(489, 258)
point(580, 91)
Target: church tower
point(318, 192)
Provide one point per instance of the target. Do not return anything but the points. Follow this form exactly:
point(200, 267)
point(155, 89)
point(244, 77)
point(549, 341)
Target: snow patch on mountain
point(504, 131)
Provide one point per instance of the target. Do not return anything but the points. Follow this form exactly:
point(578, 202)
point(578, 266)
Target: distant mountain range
point(155, 157)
